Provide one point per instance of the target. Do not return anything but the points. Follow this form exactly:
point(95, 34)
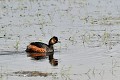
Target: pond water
point(88, 30)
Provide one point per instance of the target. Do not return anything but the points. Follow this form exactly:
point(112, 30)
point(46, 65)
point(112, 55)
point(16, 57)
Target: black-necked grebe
point(42, 47)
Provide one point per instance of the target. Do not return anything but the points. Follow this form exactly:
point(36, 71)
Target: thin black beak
point(59, 42)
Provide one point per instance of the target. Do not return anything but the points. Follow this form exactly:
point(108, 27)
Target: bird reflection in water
point(39, 56)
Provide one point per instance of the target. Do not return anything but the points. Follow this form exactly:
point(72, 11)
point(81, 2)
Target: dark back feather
point(39, 44)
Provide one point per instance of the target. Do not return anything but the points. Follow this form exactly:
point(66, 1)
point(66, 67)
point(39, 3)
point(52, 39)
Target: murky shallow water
point(90, 63)
point(89, 34)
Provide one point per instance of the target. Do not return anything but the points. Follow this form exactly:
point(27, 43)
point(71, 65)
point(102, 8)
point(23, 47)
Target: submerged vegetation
point(17, 45)
point(89, 33)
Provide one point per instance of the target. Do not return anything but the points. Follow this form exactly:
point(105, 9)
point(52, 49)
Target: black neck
point(50, 45)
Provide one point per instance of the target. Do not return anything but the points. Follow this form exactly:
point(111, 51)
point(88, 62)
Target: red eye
point(54, 40)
